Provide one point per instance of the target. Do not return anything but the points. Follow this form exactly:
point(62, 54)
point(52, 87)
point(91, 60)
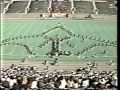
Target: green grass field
point(28, 32)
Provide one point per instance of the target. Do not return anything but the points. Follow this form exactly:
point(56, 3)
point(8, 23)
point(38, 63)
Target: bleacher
point(83, 7)
point(61, 6)
point(17, 7)
point(39, 7)
point(103, 8)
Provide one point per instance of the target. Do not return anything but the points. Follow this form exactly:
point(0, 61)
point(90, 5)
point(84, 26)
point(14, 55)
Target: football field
point(85, 39)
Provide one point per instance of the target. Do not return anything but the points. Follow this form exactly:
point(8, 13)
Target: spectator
point(63, 83)
point(34, 85)
point(85, 83)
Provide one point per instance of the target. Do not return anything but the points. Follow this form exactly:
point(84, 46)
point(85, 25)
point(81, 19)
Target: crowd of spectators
point(61, 6)
point(29, 78)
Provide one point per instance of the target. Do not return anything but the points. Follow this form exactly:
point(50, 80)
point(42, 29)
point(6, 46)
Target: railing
point(50, 4)
point(28, 7)
point(6, 8)
point(72, 7)
point(95, 8)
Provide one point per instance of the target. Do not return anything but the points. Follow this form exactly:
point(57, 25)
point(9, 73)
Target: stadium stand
point(83, 7)
point(17, 7)
point(108, 7)
point(39, 7)
point(42, 52)
point(61, 6)
point(104, 8)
